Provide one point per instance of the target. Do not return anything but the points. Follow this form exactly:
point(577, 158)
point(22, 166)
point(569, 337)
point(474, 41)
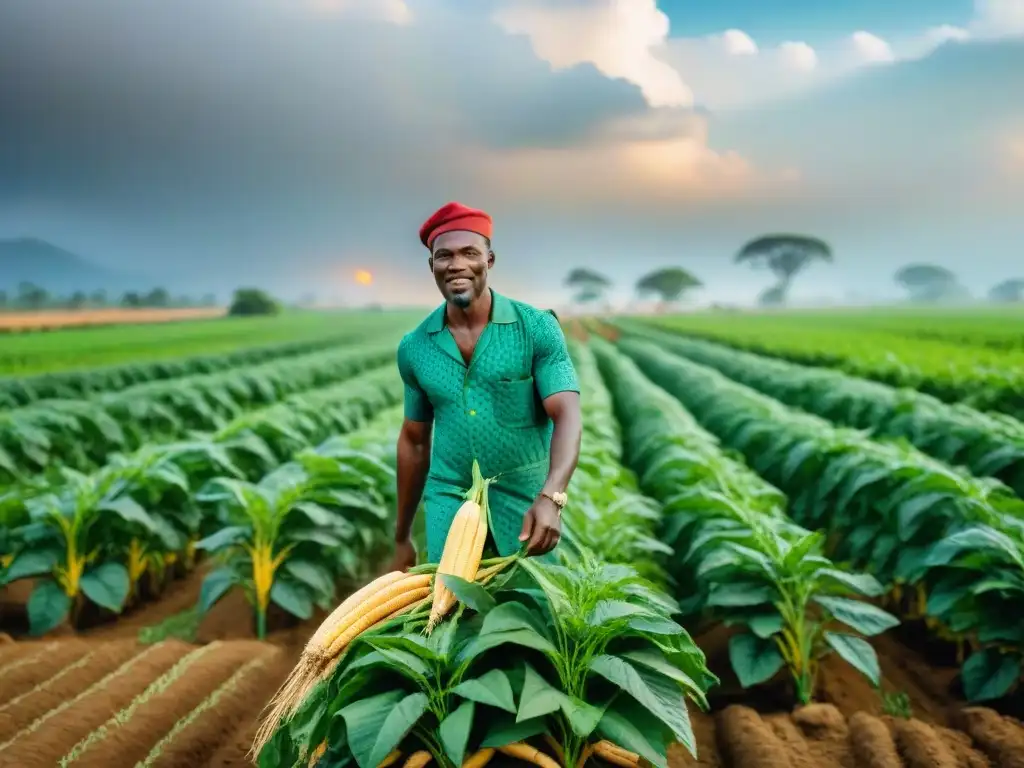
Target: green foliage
point(667, 284)
point(929, 282)
point(784, 255)
point(253, 301)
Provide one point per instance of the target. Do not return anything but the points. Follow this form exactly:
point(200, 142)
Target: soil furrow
point(129, 741)
point(233, 703)
point(825, 735)
point(920, 746)
point(37, 669)
point(998, 736)
point(49, 737)
point(746, 740)
point(871, 743)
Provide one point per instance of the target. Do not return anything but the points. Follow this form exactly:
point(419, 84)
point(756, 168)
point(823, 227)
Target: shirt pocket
point(515, 402)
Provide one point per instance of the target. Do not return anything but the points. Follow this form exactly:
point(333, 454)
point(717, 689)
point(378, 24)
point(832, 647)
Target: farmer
point(492, 379)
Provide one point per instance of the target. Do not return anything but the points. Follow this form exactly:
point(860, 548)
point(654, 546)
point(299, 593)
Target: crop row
point(91, 538)
point(948, 546)
point(739, 558)
point(989, 444)
point(18, 391)
point(81, 434)
point(597, 658)
point(987, 379)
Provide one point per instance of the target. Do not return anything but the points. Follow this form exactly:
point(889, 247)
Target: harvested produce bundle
point(463, 546)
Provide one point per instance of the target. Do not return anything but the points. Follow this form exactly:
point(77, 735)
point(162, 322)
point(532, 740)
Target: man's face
point(460, 262)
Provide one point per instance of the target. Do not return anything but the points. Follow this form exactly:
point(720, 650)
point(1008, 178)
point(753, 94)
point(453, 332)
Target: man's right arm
point(413, 448)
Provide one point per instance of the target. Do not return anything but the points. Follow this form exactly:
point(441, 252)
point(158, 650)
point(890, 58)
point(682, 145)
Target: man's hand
point(405, 556)
point(542, 527)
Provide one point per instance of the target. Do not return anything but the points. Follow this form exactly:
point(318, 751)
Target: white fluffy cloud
point(394, 11)
point(738, 43)
point(798, 55)
point(619, 37)
point(871, 48)
point(998, 18)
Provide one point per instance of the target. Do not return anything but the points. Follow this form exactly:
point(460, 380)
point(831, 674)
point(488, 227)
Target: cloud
point(870, 48)
point(997, 18)
point(738, 43)
point(620, 37)
point(799, 56)
point(393, 11)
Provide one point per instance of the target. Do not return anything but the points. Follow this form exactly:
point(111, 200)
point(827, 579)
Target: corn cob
point(479, 759)
point(418, 759)
point(384, 598)
point(463, 547)
point(616, 755)
point(391, 759)
point(522, 751)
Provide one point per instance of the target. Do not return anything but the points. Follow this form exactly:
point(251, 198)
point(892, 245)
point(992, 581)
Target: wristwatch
point(560, 499)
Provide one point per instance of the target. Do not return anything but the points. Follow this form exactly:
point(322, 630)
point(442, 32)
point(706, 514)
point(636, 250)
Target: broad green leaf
point(660, 695)
point(654, 625)
point(292, 597)
point(988, 674)
point(31, 563)
point(364, 721)
point(858, 653)
point(214, 587)
point(862, 617)
point(656, 661)
point(754, 659)
point(611, 610)
point(862, 583)
point(472, 594)
point(129, 510)
point(223, 538)
point(397, 725)
point(506, 730)
point(620, 729)
point(583, 717)
point(409, 664)
point(979, 538)
point(527, 638)
point(765, 625)
point(107, 586)
point(740, 594)
point(454, 732)
point(312, 574)
point(538, 697)
point(48, 606)
point(491, 688)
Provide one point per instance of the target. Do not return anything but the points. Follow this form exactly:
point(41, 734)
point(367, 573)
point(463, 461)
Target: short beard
point(462, 300)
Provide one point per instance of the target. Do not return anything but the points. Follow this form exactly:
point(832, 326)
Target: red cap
point(453, 216)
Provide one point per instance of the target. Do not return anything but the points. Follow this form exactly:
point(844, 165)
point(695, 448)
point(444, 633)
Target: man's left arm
point(558, 386)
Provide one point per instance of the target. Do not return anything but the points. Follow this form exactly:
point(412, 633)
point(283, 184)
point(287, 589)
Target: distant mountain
point(57, 270)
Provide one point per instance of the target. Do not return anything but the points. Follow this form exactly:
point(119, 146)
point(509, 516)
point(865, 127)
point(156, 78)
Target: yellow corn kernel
point(463, 550)
point(479, 759)
point(348, 606)
point(418, 759)
point(391, 759)
point(396, 597)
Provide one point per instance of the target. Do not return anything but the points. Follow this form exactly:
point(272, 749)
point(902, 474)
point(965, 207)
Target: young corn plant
point(753, 566)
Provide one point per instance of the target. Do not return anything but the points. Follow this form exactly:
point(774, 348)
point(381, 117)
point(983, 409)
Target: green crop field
point(793, 538)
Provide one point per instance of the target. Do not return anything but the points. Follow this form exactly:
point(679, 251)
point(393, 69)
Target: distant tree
point(773, 296)
point(784, 255)
point(667, 284)
point(98, 298)
point(131, 299)
point(1008, 291)
point(590, 286)
point(77, 300)
point(183, 301)
point(158, 297)
point(3, 299)
point(253, 301)
point(929, 282)
point(208, 300)
point(32, 296)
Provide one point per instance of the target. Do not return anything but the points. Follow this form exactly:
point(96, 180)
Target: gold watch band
point(560, 499)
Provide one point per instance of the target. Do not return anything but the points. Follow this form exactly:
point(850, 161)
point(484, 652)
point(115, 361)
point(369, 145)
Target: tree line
point(785, 256)
point(32, 297)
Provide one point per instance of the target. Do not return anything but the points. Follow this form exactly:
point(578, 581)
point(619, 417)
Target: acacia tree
point(668, 284)
point(929, 282)
point(784, 255)
point(590, 286)
point(1008, 291)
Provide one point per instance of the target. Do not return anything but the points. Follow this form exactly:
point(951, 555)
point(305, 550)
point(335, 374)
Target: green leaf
point(311, 574)
point(454, 732)
point(397, 725)
point(538, 697)
point(214, 587)
point(754, 659)
point(620, 729)
point(656, 661)
point(491, 688)
point(32, 563)
point(858, 653)
point(409, 663)
point(107, 586)
point(607, 611)
point(583, 717)
point(988, 675)
point(48, 606)
point(129, 510)
point(862, 617)
point(660, 695)
point(292, 597)
point(507, 731)
point(225, 537)
point(468, 592)
point(740, 594)
point(863, 583)
point(528, 638)
point(765, 625)
point(364, 721)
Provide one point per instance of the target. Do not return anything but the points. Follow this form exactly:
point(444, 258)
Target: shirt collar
point(502, 313)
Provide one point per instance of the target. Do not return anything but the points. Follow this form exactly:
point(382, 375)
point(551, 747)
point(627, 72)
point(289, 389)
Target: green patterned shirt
point(491, 410)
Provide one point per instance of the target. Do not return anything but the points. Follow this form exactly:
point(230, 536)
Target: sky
point(290, 143)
